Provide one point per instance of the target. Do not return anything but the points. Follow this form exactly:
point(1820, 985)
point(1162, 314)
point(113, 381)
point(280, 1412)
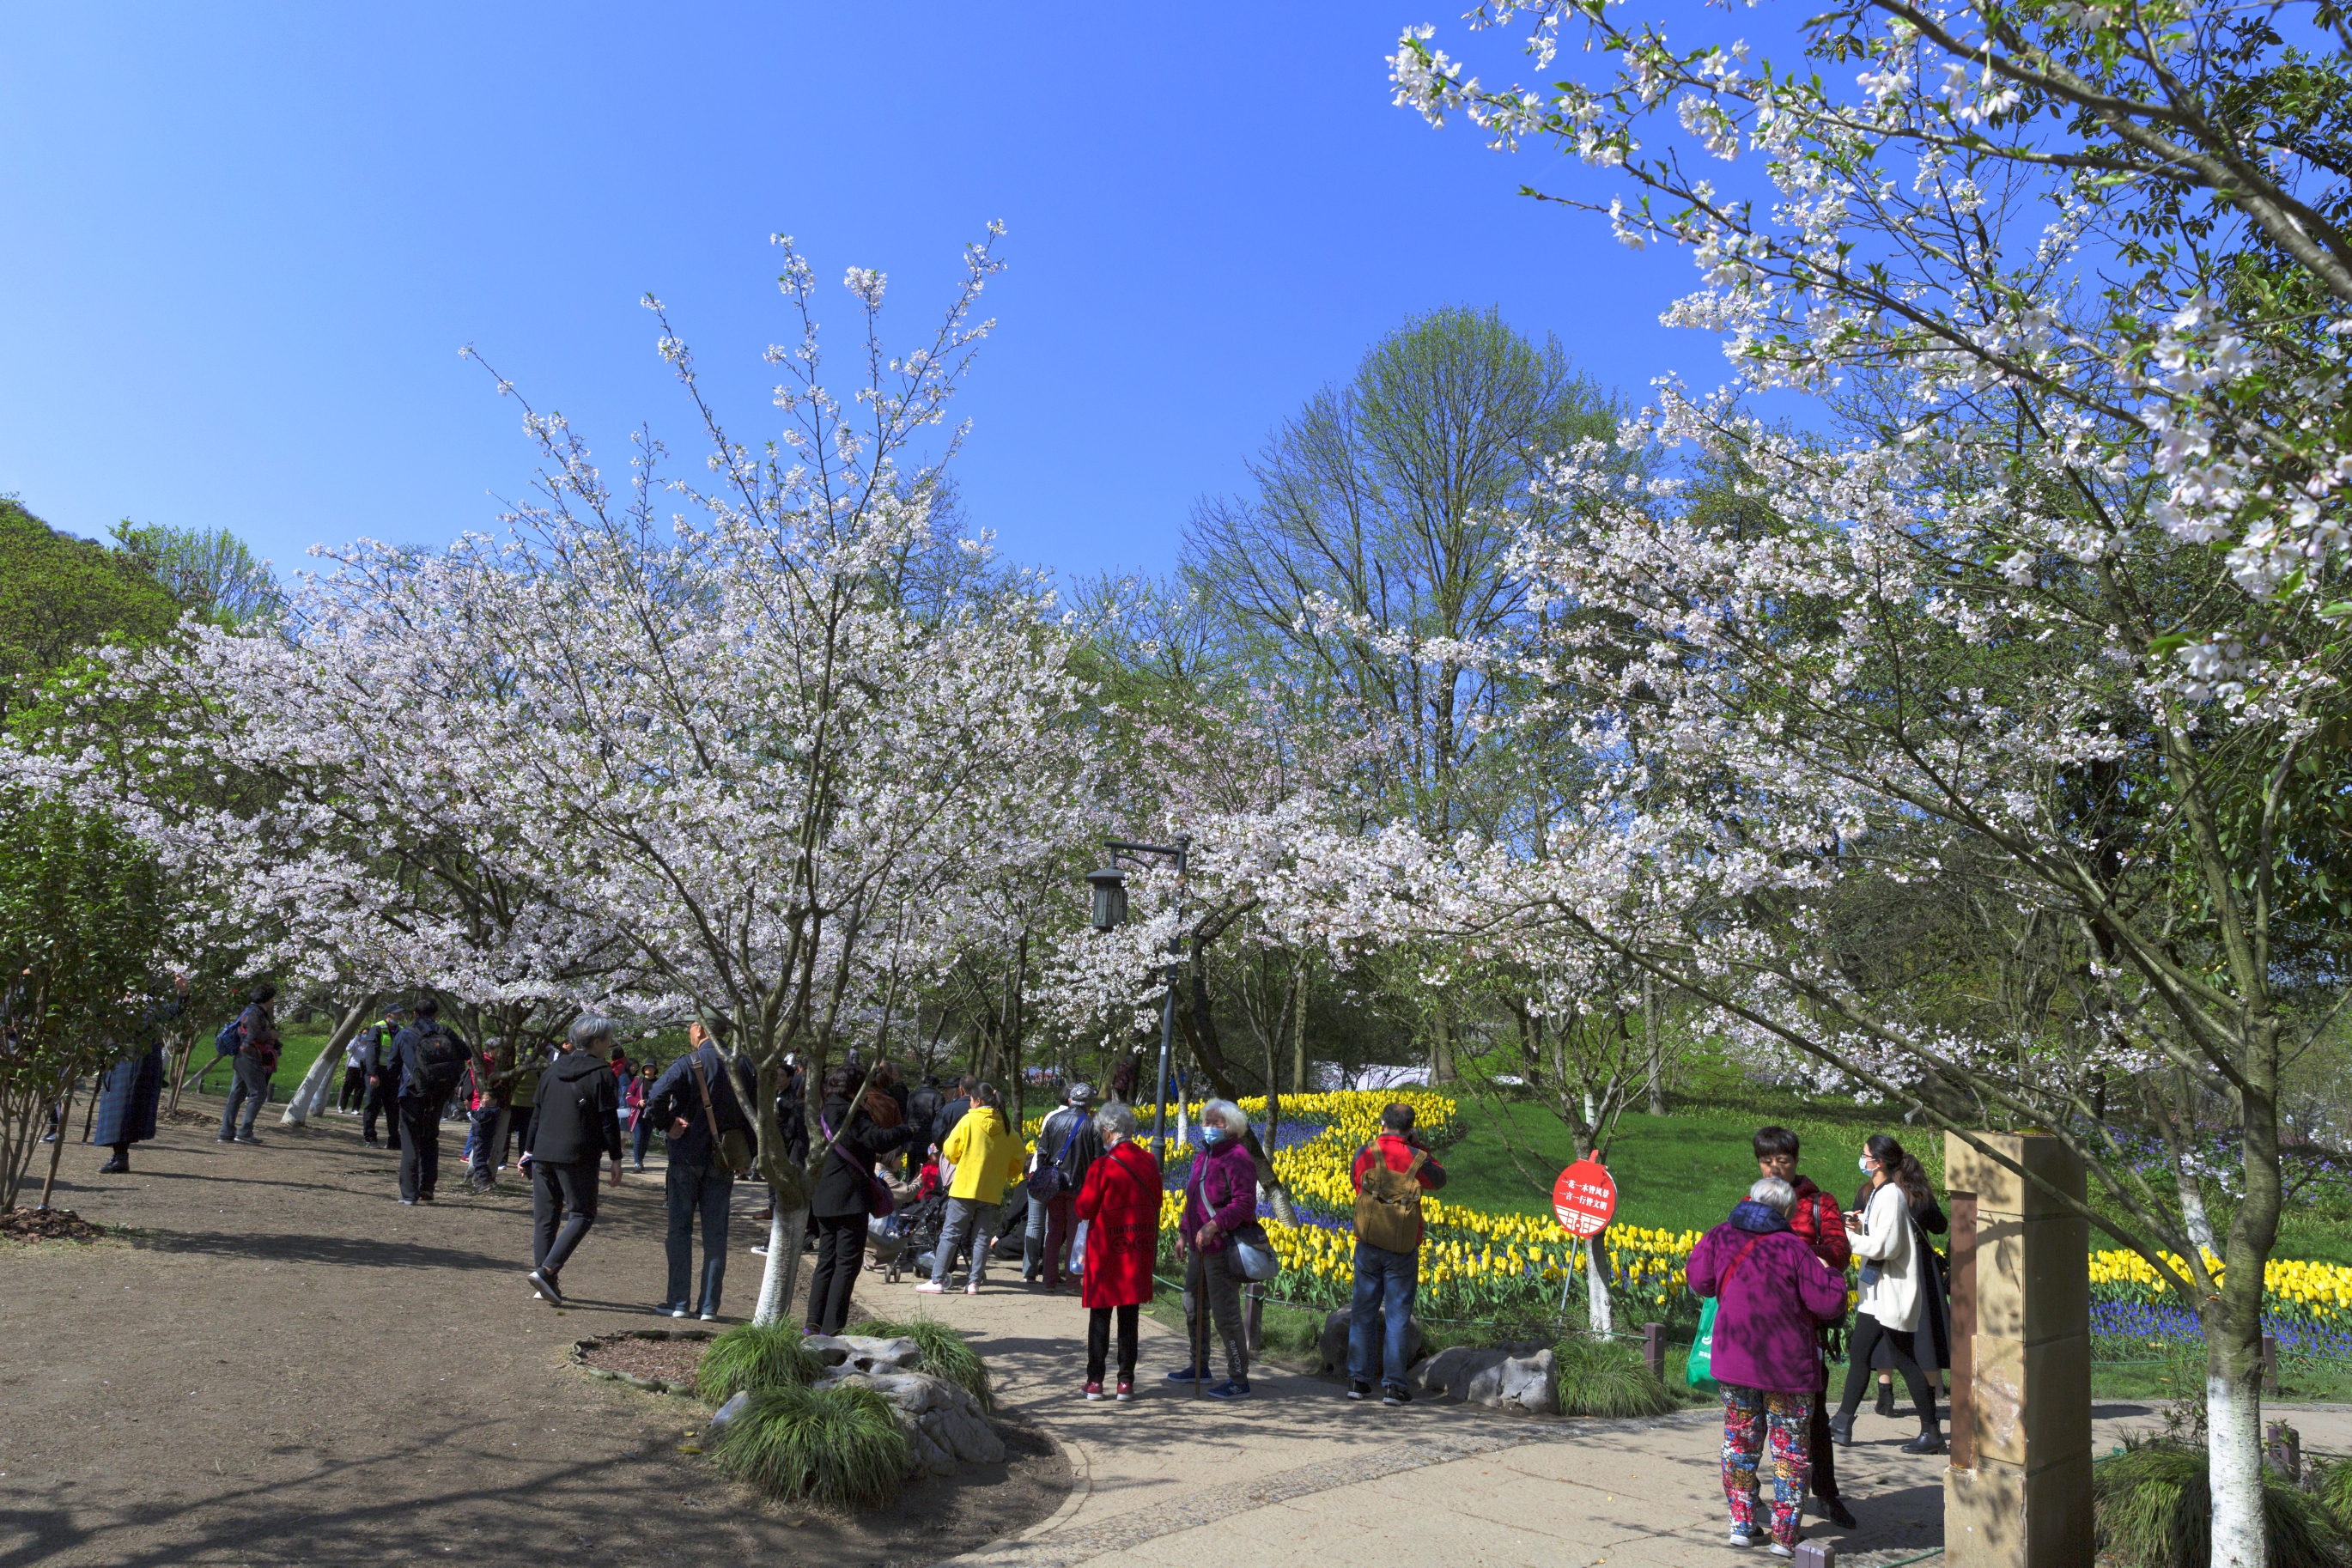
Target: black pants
point(840, 1254)
point(1861, 1347)
point(1099, 1341)
point(381, 1100)
point(354, 1089)
point(1822, 1452)
point(565, 1194)
point(420, 1148)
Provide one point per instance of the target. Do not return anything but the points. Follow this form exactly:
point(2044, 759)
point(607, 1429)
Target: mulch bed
point(658, 1360)
point(47, 1225)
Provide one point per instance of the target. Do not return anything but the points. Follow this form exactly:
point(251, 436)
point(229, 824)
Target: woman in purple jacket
point(1770, 1291)
point(1219, 1198)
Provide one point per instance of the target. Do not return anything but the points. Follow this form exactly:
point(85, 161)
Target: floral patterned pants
point(1752, 1418)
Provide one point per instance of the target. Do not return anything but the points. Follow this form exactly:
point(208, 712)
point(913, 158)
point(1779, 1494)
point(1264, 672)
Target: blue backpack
point(231, 1035)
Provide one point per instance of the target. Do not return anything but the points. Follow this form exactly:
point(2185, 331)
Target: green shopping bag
point(1701, 1357)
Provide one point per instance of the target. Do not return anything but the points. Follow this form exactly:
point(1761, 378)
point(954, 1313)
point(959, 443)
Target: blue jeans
point(1386, 1283)
point(691, 1189)
point(250, 1089)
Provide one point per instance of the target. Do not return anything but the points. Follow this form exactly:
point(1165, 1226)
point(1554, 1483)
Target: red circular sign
point(1584, 1198)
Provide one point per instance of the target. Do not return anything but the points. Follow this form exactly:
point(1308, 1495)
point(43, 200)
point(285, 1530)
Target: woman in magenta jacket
point(1220, 1198)
point(1770, 1292)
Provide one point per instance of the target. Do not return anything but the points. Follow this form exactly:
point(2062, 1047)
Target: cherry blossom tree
point(2058, 605)
point(733, 733)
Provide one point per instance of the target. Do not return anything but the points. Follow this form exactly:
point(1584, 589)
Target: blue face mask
point(1212, 1136)
point(1867, 1166)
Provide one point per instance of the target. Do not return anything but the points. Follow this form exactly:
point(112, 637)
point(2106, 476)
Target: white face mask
point(1866, 1164)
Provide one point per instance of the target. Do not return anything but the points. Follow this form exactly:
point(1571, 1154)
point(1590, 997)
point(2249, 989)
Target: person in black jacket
point(952, 1112)
point(575, 1117)
point(696, 1097)
point(924, 1104)
point(843, 1205)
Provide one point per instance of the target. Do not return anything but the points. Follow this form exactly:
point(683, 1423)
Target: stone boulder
point(1518, 1377)
point(1335, 1341)
point(944, 1424)
point(862, 1353)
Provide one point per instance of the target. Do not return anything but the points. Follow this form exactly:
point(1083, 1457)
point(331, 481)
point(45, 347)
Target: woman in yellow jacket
point(983, 1148)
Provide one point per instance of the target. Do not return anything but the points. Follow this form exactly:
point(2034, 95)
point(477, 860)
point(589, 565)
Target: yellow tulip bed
point(1483, 1267)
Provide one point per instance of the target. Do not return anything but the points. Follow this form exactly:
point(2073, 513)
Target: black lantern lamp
point(1110, 898)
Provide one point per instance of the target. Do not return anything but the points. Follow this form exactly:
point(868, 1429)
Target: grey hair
point(1227, 1111)
point(1116, 1117)
point(1774, 1192)
point(591, 1028)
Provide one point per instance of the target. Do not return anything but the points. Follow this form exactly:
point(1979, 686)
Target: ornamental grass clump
point(755, 1356)
point(1597, 1378)
point(946, 1354)
point(837, 1447)
point(2151, 1507)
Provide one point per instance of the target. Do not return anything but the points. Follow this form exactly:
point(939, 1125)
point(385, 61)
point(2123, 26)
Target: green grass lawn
point(1682, 1171)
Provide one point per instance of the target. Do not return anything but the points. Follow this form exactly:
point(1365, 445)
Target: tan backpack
point(1388, 1206)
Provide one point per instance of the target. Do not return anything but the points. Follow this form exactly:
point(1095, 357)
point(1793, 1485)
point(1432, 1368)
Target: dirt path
point(286, 1366)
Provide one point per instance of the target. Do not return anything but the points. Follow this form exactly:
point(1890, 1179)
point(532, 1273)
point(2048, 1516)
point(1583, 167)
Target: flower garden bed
point(1514, 1270)
point(659, 1361)
point(28, 1224)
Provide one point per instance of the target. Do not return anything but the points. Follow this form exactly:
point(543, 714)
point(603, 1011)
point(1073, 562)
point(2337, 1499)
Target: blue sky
point(247, 243)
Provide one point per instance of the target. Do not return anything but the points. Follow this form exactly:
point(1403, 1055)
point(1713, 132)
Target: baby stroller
point(905, 1238)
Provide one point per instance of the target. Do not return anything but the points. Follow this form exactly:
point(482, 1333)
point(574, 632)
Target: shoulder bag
point(880, 1201)
point(734, 1147)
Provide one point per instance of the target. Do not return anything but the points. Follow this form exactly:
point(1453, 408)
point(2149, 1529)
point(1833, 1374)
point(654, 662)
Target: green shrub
point(946, 1354)
point(755, 1356)
point(1597, 1377)
point(2151, 1507)
point(839, 1447)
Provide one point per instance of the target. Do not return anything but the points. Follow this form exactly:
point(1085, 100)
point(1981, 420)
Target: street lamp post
point(1110, 911)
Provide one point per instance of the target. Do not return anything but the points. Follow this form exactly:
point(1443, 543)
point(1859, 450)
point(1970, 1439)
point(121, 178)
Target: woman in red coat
point(1120, 1206)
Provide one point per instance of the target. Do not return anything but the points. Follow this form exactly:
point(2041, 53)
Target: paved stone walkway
point(1169, 1481)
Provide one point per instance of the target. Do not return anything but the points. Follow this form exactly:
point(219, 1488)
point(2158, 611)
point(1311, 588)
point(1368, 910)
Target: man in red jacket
point(1817, 1222)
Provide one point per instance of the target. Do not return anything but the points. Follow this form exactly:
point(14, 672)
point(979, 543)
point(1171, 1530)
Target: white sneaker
point(972, 1289)
point(1741, 1538)
point(707, 1317)
point(931, 1288)
point(1781, 1550)
point(760, 1250)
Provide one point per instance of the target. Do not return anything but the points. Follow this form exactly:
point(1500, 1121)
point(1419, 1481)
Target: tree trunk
point(1443, 1068)
point(1599, 1316)
point(2233, 1450)
point(787, 1230)
point(310, 1095)
point(1654, 1042)
point(57, 1149)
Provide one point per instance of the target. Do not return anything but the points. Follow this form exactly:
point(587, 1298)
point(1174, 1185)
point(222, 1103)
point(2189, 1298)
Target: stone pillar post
point(2018, 1494)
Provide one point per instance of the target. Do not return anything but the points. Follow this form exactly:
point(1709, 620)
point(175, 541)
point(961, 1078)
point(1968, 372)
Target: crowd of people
point(1090, 1195)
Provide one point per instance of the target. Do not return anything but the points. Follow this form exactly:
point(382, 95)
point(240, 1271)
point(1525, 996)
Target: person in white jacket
point(1895, 1279)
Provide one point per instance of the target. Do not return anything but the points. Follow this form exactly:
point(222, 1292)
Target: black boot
point(1886, 1405)
point(1842, 1428)
point(1930, 1441)
point(118, 1166)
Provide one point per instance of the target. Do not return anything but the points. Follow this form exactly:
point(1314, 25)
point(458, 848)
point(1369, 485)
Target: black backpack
point(439, 1062)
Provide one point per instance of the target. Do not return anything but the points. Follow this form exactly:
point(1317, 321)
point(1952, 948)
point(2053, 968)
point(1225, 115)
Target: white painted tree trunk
point(787, 1233)
point(310, 1095)
point(2233, 1450)
point(1599, 1315)
point(1183, 1121)
point(2192, 1214)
